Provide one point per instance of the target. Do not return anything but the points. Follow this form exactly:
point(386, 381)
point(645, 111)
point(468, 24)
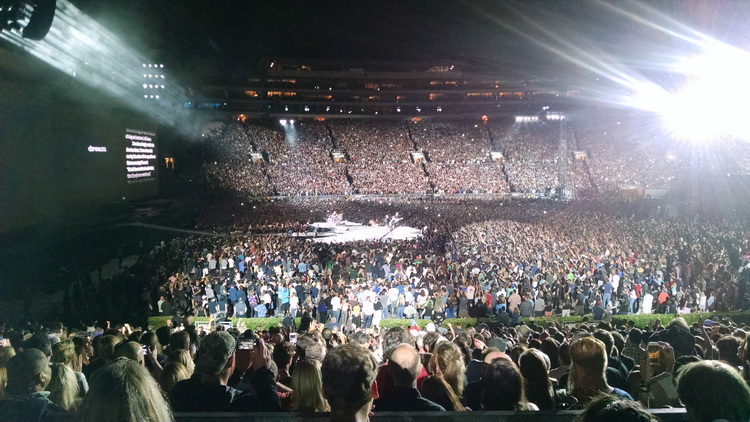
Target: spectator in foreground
point(394, 337)
point(539, 388)
point(447, 363)
point(610, 408)
point(208, 390)
point(348, 374)
point(173, 373)
point(503, 387)
point(308, 388)
point(653, 382)
point(63, 387)
point(404, 366)
point(713, 390)
point(588, 365)
point(436, 390)
point(25, 399)
point(124, 392)
point(64, 352)
point(6, 353)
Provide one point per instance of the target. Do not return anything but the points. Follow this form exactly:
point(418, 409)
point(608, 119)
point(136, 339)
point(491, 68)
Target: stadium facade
point(311, 88)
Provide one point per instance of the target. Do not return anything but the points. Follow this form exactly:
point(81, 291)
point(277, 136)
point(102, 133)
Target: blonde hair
point(449, 359)
point(6, 353)
point(182, 356)
point(172, 373)
point(588, 365)
point(65, 352)
point(308, 387)
point(124, 392)
point(63, 387)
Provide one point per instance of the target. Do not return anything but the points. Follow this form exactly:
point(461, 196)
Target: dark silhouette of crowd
point(127, 373)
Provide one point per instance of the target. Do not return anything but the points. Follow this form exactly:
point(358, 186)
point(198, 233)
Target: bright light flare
point(713, 101)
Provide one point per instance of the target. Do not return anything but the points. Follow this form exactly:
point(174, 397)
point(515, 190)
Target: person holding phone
point(653, 383)
point(218, 358)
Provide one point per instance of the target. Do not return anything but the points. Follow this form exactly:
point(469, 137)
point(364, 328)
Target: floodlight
point(282, 121)
point(710, 103)
point(32, 20)
point(291, 122)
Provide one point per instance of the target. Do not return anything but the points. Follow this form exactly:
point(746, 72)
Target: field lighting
point(30, 19)
point(712, 101)
point(80, 47)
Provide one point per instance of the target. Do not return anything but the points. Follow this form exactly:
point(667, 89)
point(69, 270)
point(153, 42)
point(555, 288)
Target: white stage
point(346, 231)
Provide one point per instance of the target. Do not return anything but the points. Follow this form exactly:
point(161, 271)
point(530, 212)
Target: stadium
point(383, 210)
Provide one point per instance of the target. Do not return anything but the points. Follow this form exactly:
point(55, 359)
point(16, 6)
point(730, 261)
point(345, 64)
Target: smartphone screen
point(293, 338)
point(246, 345)
point(653, 352)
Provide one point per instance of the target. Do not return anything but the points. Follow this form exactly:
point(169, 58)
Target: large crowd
point(503, 260)
point(475, 258)
point(298, 159)
point(130, 373)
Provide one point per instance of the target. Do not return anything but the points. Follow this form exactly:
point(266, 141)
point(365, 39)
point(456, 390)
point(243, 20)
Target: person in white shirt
point(392, 301)
point(293, 303)
point(335, 308)
point(368, 310)
point(648, 303)
point(470, 290)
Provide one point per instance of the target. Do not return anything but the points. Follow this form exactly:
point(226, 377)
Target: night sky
point(528, 37)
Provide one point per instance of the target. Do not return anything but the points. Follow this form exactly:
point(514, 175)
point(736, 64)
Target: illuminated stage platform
point(347, 231)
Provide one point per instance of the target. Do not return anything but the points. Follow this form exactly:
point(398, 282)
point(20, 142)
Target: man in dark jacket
point(207, 390)
point(25, 398)
point(404, 366)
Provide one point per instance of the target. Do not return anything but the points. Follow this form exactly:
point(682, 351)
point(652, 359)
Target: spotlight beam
point(80, 47)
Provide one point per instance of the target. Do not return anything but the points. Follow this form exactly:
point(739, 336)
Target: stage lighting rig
point(32, 19)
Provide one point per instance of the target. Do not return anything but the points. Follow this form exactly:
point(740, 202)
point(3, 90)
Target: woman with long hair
point(182, 356)
point(84, 348)
point(65, 352)
point(447, 362)
point(503, 388)
point(535, 372)
point(6, 352)
point(172, 373)
point(438, 391)
point(124, 392)
point(63, 387)
point(308, 388)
